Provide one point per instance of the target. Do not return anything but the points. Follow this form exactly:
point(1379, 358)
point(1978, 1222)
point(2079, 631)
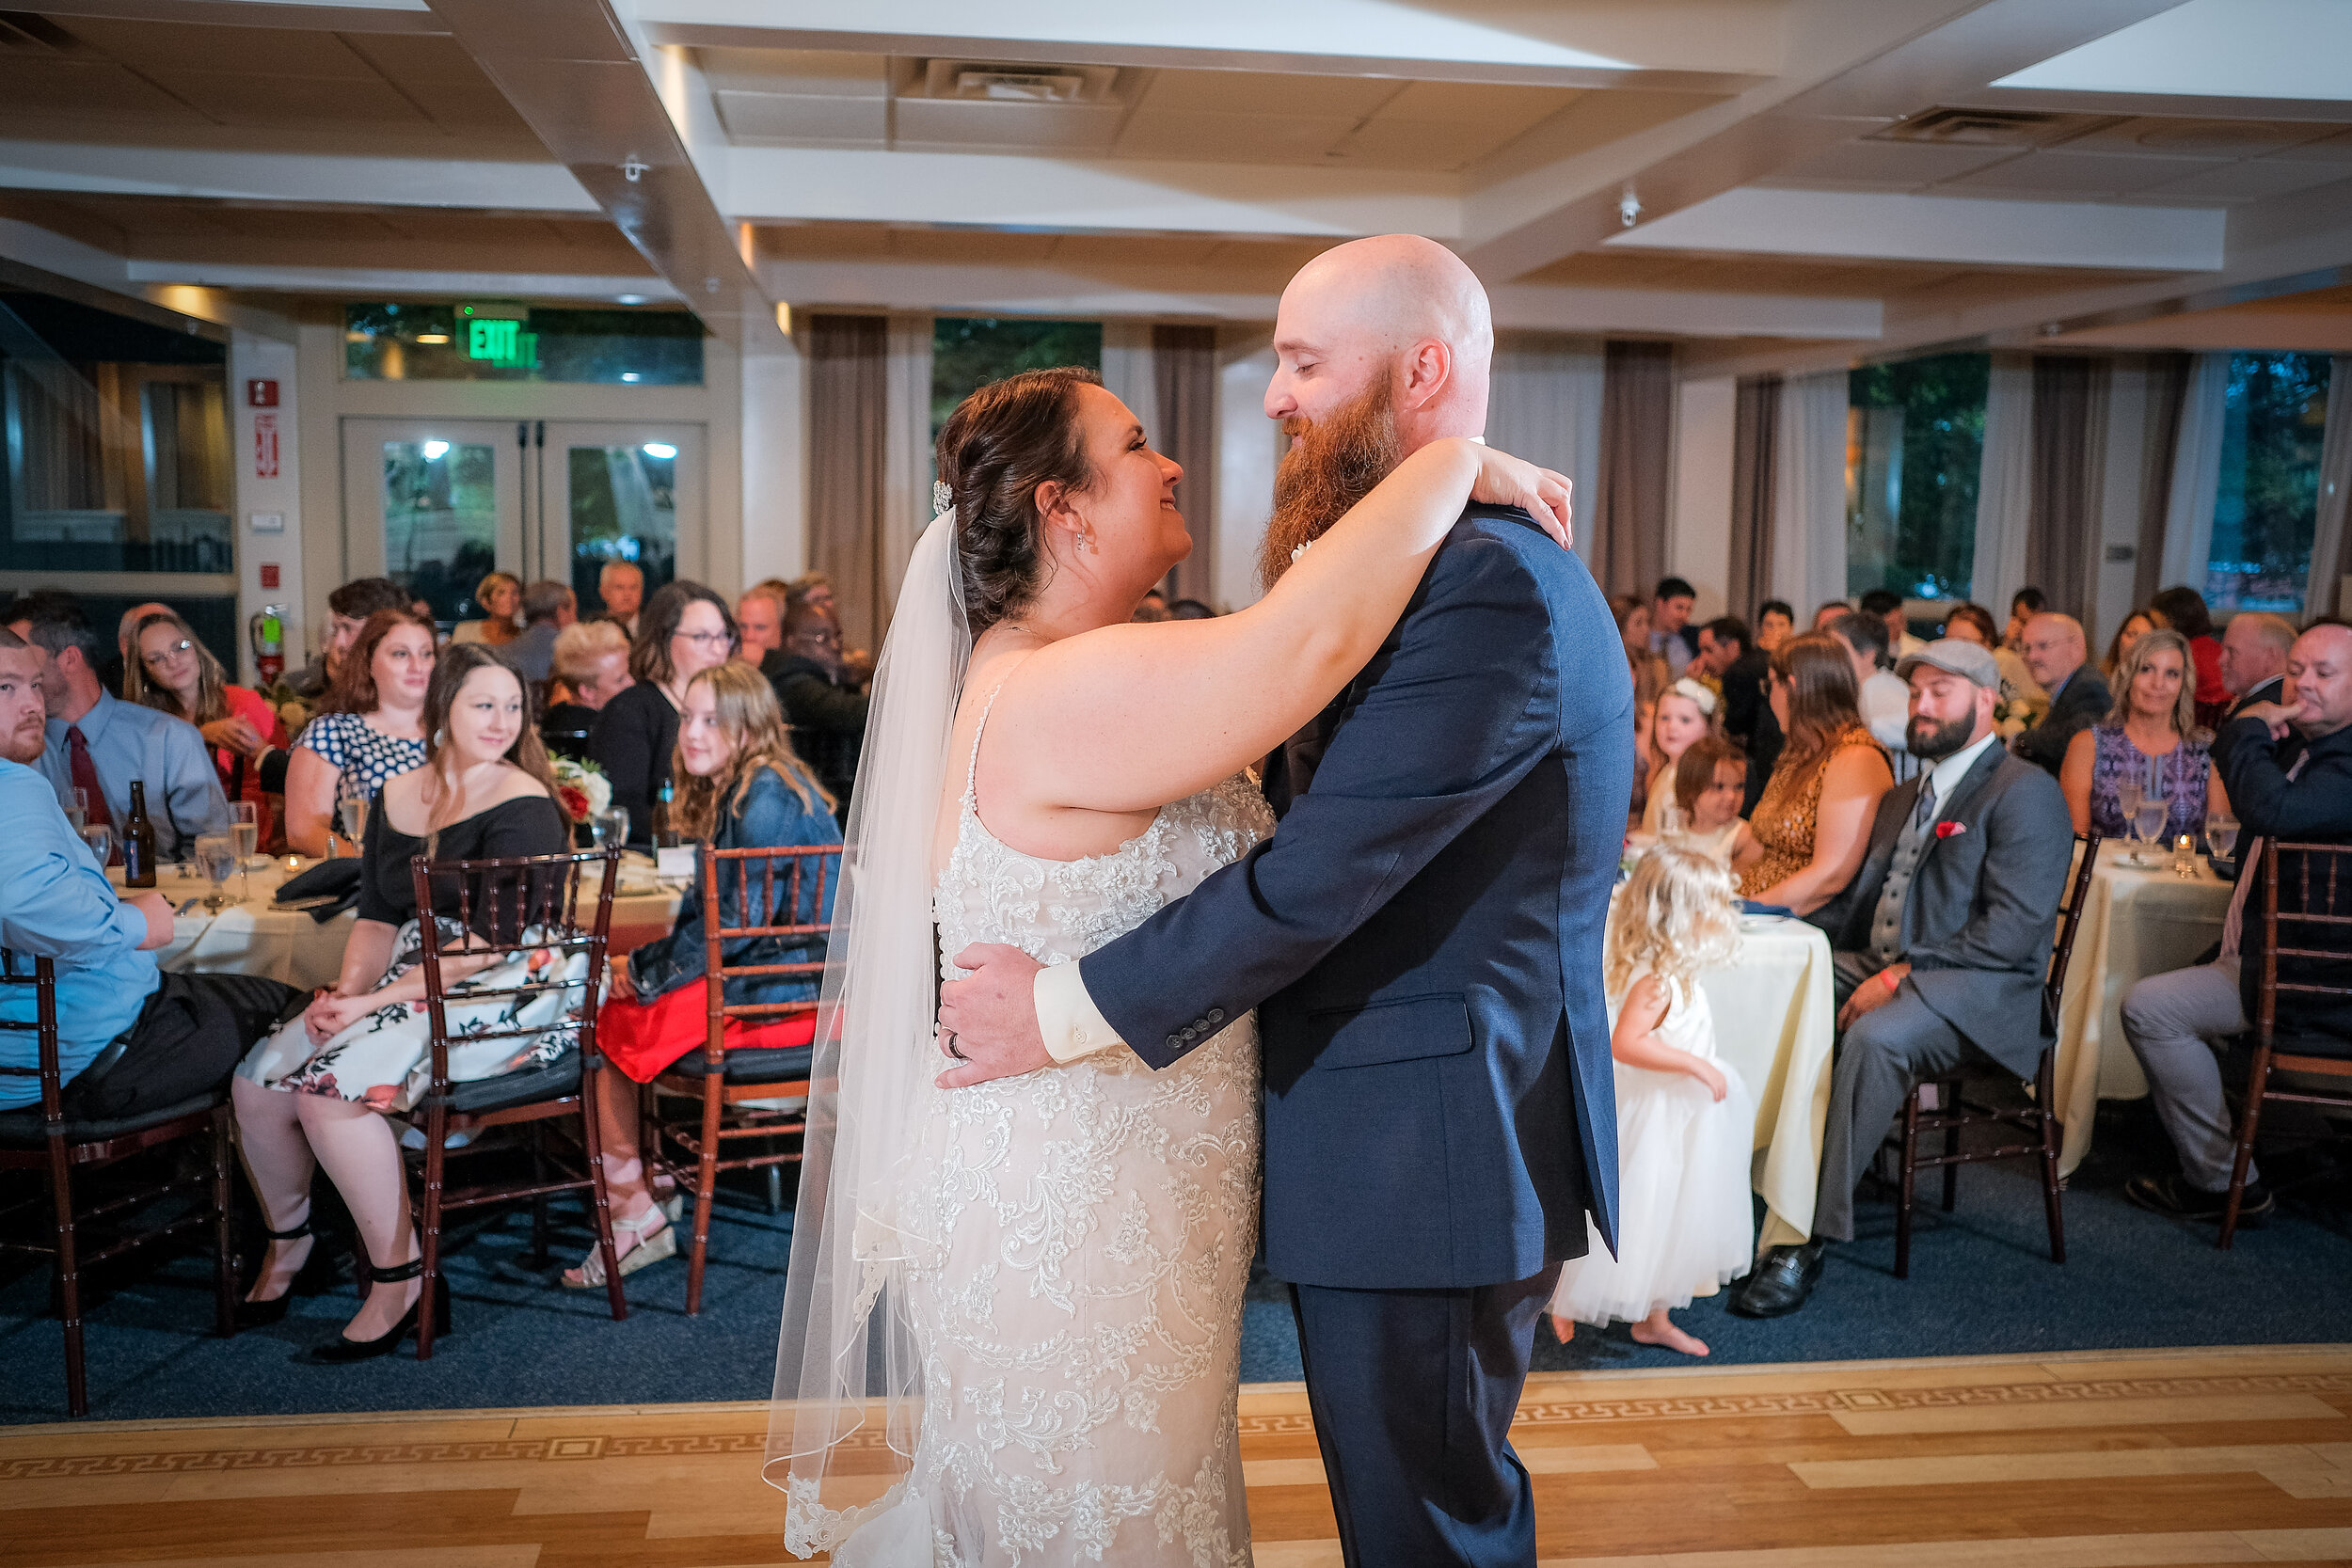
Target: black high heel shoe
point(315, 1275)
point(343, 1351)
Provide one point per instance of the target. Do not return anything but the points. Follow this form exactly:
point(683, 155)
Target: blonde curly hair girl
point(1676, 916)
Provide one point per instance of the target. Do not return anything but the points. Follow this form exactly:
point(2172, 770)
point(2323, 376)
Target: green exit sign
point(501, 343)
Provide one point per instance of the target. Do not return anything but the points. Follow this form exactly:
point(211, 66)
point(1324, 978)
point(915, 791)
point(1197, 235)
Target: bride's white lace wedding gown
point(1080, 1333)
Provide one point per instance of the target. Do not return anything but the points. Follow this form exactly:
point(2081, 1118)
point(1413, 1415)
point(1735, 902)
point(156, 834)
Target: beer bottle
point(138, 841)
point(665, 834)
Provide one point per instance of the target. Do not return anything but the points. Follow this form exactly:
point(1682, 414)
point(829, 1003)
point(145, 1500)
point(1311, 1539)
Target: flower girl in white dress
point(1685, 1122)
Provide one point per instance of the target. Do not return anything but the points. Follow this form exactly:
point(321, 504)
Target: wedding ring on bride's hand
point(951, 1048)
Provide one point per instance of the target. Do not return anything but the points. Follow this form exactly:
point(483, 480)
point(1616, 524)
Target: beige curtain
point(1754, 415)
point(2323, 589)
point(2062, 521)
point(1183, 384)
point(848, 420)
point(2168, 392)
point(1636, 454)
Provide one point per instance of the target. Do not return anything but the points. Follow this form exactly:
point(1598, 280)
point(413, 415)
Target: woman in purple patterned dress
point(2151, 734)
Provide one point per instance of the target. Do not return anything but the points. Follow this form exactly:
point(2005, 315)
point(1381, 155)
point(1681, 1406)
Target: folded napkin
point(338, 879)
point(1749, 906)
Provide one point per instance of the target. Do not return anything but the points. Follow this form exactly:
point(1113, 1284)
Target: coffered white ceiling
point(1859, 176)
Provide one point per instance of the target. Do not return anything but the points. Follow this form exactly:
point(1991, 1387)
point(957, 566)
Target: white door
point(435, 505)
point(615, 491)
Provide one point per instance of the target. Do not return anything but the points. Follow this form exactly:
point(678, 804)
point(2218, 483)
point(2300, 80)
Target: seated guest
point(2136, 625)
point(591, 664)
point(740, 786)
point(2183, 609)
point(371, 730)
point(1710, 781)
point(309, 1094)
point(2024, 605)
point(1190, 609)
point(1883, 702)
point(2254, 658)
point(1742, 671)
point(2289, 769)
point(1650, 673)
point(1670, 634)
point(2059, 659)
point(1887, 605)
point(548, 606)
point(116, 675)
point(2150, 737)
point(1828, 612)
point(1152, 607)
point(499, 595)
point(1686, 710)
point(131, 1041)
point(1775, 624)
point(347, 609)
point(1939, 959)
point(98, 743)
point(2022, 699)
point(685, 630)
point(1814, 820)
point(621, 589)
point(827, 713)
point(759, 625)
point(172, 673)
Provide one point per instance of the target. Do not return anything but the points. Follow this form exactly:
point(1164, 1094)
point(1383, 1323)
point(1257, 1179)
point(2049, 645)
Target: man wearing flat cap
point(1939, 959)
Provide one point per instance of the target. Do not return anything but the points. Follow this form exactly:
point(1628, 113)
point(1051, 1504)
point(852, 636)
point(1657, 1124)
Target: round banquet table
point(252, 936)
point(1774, 1023)
point(2135, 922)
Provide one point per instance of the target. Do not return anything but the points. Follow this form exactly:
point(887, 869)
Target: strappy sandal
point(650, 1248)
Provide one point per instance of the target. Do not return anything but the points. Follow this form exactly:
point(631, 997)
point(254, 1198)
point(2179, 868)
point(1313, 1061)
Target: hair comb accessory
point(943, 499)
point(1698, 694)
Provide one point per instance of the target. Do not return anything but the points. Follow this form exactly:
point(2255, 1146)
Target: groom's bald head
point(1396, 308)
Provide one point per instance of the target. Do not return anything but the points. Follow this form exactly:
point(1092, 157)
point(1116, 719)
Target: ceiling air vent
point(1992, 127)
point(979, 82)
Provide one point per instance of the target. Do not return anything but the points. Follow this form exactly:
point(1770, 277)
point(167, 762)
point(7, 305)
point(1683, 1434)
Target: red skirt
point(644, 1038)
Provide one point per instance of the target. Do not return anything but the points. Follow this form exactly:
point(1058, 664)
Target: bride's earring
point(1085, 540)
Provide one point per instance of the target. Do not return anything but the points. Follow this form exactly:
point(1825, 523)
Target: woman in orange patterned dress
point(1813, 818)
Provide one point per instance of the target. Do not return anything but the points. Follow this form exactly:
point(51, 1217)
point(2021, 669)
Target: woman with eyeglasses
point(684, 629)
point(172, 673)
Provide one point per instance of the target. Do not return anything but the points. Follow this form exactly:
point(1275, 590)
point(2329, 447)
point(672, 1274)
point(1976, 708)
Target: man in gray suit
point(1947, 931)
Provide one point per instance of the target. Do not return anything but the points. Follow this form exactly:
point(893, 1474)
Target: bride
point(1012, 1315)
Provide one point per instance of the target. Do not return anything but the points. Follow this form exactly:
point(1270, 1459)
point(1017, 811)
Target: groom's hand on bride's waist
point(989, 1020)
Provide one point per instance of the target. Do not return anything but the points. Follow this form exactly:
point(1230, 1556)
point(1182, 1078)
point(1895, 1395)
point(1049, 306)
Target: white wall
point(775, 464)
point(1249, 445)
point(253, 357)
point(1699, 538)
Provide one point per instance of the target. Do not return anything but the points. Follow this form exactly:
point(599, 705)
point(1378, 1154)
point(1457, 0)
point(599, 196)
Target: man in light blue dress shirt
point(131, 1041)
point(123, 741)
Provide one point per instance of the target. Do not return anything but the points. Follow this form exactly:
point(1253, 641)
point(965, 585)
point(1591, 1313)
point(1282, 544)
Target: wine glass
point(2149, 818)
point(615, 826)
point(101, 839)
point(217, 857)
point(78, 813)
point(2220, 834)
point(245, 826)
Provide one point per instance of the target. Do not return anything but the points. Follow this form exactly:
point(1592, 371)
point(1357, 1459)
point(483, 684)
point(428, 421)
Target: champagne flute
point(217, 857)
point(245, 826)
point(2127, 793)
point(78, 813)
point(353, 813)
point(101, 839)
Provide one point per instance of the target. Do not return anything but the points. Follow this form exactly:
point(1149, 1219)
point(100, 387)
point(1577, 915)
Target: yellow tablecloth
point(1774, 1021)
point(252, 936)
point(2135, 923)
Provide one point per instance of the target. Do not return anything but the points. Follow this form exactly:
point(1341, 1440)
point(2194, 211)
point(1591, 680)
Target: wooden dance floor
point(2073, 1462)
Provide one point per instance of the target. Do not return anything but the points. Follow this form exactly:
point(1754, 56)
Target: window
point(1915, 440)
point(485, 342)
point(968, 352)
point(2264, 513)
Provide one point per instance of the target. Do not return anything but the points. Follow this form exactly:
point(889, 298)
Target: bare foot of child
point(1563, 1329)
point(1658, 1329)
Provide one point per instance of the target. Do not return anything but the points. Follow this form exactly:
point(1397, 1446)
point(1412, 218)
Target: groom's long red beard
point(1337, 461)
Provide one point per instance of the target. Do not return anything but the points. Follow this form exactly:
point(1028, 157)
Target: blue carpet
point(1981, 1284)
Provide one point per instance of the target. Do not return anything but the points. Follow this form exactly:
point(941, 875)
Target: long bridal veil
point(848, 1386)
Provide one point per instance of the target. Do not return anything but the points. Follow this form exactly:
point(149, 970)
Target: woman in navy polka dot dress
point(371, 728)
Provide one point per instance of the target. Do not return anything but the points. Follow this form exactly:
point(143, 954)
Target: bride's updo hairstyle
point(999, 444)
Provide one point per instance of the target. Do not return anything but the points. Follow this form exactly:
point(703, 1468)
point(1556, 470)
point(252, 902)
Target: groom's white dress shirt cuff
point(1067, 1017)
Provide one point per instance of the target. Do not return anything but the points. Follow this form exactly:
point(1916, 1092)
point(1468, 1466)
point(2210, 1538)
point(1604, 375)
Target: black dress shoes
point(343, 1351)
point(2176, 1199)
point(1780, 1284)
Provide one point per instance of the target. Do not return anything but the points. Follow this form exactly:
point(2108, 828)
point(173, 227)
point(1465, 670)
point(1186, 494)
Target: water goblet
point(2220, 834)
point(101, 839)
point(617, 827)
point(217, 857)
point(2149, 818)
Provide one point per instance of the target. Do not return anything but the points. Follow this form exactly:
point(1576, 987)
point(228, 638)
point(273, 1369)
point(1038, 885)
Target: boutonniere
point(1950, 830)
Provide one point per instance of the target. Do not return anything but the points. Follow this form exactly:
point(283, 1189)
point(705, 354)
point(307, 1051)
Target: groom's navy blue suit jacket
point(1422, 937)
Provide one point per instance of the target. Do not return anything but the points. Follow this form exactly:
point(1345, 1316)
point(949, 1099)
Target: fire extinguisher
point(267, 630)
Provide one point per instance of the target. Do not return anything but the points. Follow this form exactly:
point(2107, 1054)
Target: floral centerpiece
point(581, 789)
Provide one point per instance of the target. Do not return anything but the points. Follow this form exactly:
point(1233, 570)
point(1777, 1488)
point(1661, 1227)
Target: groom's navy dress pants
point(1413, 1393)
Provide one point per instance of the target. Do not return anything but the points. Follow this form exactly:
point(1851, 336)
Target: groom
point(1421, 939)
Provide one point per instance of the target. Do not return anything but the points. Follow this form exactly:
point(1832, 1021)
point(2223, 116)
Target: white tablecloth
point(1774, 1021)
point(2135, 923)
point(253, 936)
